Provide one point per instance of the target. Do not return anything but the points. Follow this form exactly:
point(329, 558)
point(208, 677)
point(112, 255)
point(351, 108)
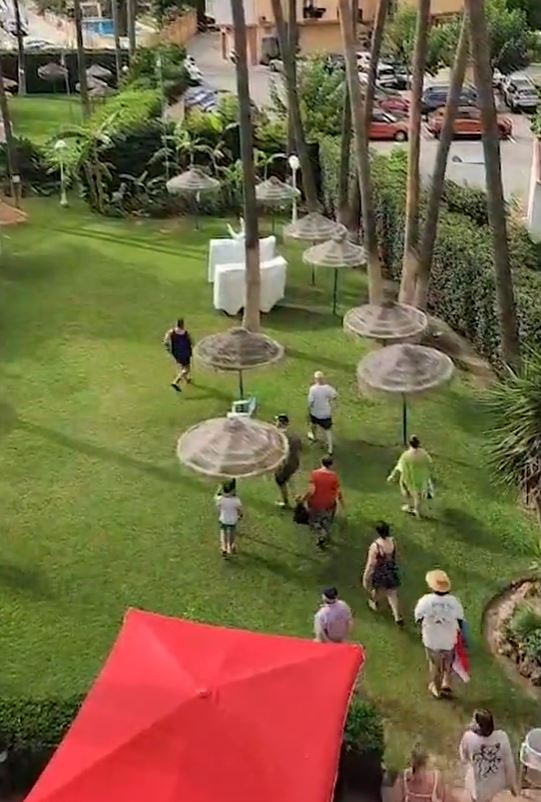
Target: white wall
point(534, 199)
point(221, 11)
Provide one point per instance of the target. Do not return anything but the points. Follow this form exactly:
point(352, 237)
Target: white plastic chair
point(530, 759)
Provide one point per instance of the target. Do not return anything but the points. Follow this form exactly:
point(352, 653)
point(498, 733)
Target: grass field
point(40, 117)
point(98, 516)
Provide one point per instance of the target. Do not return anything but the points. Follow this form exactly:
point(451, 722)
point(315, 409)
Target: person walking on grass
point(487, 754)
point(440, 615)
point(333, 621)
point(290, 466)
point(178, 343)
point(414, 468)
point(229, 513)
point(381, 577)
point(419, 782)
point(320, 398)
point(321, 499)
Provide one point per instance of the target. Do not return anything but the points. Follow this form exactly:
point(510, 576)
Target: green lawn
point(40, 117)
point(98, 516)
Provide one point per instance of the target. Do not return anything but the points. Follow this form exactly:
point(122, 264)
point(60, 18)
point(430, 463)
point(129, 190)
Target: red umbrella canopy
point(187, 712)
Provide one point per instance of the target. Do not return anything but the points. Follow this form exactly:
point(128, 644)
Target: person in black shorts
point(178, 343)
point(290, 465)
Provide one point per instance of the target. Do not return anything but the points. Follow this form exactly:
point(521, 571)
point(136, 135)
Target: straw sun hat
point(438, 581)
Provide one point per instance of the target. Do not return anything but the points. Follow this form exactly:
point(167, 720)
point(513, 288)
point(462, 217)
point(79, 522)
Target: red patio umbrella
point(187, 712)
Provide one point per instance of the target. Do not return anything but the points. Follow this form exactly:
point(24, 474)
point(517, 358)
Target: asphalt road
point(516, 153)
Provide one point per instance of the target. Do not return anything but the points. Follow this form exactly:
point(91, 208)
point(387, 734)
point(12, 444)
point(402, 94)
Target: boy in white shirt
point(320, 398)
point(229, 512)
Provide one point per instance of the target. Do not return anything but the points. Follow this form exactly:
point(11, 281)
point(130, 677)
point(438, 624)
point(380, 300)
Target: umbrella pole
point(404, 419)
point(196, 204)
point(273, 229)
point(313, 272)
point(241, 385)
point(335, 292)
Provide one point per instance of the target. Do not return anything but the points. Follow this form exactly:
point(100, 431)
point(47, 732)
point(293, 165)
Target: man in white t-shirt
point(320, 398)
point(333, 620)
point(440, 615)
point(229, 512)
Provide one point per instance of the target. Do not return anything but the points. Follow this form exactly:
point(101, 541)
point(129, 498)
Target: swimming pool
point(100, 26)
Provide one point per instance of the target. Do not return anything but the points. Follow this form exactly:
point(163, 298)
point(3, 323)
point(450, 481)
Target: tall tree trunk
point(496, 203)
point(292, 40)
point(375, 278)
point(375, 51)
point(81, 60)
point(116, 32)
point(430, 229)
point(290, 71)
point(345, 206)
point(20, 49)
point(413, 191)
point(253, 275)
point(11, 148)
point(132, 14)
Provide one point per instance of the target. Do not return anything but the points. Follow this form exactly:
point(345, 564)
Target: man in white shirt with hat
point(440, 615)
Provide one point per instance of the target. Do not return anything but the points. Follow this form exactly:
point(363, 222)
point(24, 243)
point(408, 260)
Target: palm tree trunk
point(81, 60)
point(290, 71)
point(375, 51)
point(413, 192)
point(292, 39)
point(20, 49)
point(344, 202)
point(131, 7)
point(496, 203)
point(253, 276)
point(430, 229)
point(11, 147)
point(116, 32)
point(375, 278)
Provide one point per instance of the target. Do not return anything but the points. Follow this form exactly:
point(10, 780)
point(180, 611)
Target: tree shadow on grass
point(318, 360)
point(292, 317)
point(27, 581)
point(469, 529)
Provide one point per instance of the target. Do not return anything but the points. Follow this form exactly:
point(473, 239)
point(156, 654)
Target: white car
point(520, 93)
point(363, 59)
point(39, 44)
point(194, 73)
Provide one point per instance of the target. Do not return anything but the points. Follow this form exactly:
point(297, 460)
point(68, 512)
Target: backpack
point(300, 514)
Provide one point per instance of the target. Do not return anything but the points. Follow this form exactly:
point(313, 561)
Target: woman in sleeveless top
point(381, 577)
point(418, 783)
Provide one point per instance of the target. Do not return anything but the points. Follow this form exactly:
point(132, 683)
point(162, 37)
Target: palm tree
point(20, 49)
point(496, 204)
point(253, 276)
point(430, 229)
point(11, 148)
point(116, 32)
point(413, 193)
point(375, 51)
point(290, 71)
point(81, 60)
point(344, 210)
point(131, 8)
point(375, 278)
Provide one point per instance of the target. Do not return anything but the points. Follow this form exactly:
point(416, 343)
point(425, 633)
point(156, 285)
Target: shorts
point(323, 423)
point(283, 475)
point(442, 659)
point(183, 363)
point(229, 529)
point(321, 520)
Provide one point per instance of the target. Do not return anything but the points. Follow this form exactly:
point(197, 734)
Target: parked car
point(32, 45)
point(435, 96)
point(363, 59)
point(386, 126)
point(520, 93)
point(467, 123)
point(276, 65)
point(194, 73)
point(394, 104)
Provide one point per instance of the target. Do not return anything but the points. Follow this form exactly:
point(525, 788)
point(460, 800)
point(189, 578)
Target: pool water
point(101, 26)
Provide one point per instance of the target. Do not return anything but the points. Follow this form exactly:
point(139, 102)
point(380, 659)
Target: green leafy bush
point(43, 722)
point(127, 110)
point(144, 74)
point(469, 201)
point(524, 621)
point(36, 174)
point(364, 728)
point(532, 646)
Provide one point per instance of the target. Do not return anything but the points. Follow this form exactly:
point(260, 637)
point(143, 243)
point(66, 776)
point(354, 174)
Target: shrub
point(364, 728)
point(524, 622)
point(532, 646)
point(127, 110)
point(36, 176)
point(143, 72)
point(469, 201)
point(36, 723)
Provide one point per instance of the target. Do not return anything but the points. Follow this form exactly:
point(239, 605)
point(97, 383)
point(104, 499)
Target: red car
point(394, 104)
point(387, 126)
point(468, 123)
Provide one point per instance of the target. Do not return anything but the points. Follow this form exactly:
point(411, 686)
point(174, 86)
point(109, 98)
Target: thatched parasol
point(238, 350)
point(313, 227)
point(192, 182)
point(101, 91)
point(336, 253)
point(273, 192)
point(97, 71)
point(52, 72)
point(9, 84)
point(92, 83)
point(404, 369)
point(232, 448)
point(387, 321)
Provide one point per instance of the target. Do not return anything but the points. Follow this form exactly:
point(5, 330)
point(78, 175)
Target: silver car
point(520, 93)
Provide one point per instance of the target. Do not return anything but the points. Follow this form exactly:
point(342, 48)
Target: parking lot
point(516, 152)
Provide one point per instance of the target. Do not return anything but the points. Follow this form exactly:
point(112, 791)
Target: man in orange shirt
point(322, 496)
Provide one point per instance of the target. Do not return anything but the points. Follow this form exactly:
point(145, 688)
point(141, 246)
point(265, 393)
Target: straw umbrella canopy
point(9, 84)
point(313, 227)
point(404, 369)
point(238, 350)
point(101, 91)
point(97, 71)
point(232, 448)
point(192, 182)
point(52, 72)
point(336, 253)
point(387, 321)
point(273, 192)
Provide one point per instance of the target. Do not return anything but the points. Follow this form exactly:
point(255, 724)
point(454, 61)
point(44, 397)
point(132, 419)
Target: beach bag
point(300, 514)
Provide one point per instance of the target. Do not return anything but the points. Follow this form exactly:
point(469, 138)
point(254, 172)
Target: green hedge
point(462, 290)
point(364, 728)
